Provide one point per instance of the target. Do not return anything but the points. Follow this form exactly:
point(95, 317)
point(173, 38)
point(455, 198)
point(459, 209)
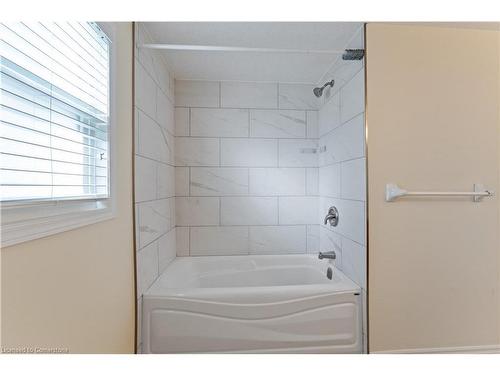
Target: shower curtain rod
point(191, 47)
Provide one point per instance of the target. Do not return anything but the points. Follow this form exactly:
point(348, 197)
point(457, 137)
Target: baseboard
point(481, 349)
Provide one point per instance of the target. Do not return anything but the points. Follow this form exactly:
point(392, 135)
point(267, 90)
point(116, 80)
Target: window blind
point(54, 112)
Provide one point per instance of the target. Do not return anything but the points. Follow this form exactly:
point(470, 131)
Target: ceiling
point(253, 66)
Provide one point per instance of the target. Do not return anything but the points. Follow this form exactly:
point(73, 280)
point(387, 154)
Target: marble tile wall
point(342, 168)
point(154, 166)
point(246, 161)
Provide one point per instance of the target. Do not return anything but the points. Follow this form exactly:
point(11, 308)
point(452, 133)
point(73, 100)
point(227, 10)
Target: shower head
point(353, 54)
point(318, 91)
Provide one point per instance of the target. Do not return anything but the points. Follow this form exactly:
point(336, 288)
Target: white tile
point(196, 151)
point(155, 219)
point(297, 96)
point(330, 241)
point(218, 181)
point(277, 123)
point(166, 249)
point(313, 239)
point(219, 241)
point(147, 267)
point(149, 58)
point(344, 71)
point(170, 113)
point(351, 218)
point(182, 241)
point(298, 210)
point(312, 181)
point(197, 211)
point(249, 211)
point(196, 93)
point(344, 143)
point(354, 261)
point(352, 97)
point(166, 180)
point(145, 179)
point(154, 142)
point(171, 203)
point(161, 73)
point(165, 112)
point(312, 124)
point(249, 152)
point(171, 86)
point(329, 180)
point(136, 130)
point(181, 121)
point(215, 122)
point(170, 140)
point(181, 181)
point(329, 115)
point(277, 181)
point(353, 179)
point(298, 153)
point(249, 95)
point(358, 41)
point(145, 91)
point(143, 54)
point(278, 239)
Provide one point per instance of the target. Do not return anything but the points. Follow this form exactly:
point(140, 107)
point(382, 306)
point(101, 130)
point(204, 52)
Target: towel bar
point(393, 191)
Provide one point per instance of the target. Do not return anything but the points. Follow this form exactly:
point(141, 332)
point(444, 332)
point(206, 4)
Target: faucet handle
point(332, 217)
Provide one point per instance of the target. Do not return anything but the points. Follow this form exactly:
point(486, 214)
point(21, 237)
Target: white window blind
point(54, 117)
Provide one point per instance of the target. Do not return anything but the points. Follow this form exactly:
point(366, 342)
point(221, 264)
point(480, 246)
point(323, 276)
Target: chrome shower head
point(318, 91)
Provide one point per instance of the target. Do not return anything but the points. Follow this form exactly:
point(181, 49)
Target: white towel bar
point(393, 191)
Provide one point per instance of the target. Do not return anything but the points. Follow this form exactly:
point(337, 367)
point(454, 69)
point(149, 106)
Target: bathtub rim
point(232, 294)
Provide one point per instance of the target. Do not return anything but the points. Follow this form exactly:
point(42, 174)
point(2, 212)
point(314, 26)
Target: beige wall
point(75, 290)
point(432, 115)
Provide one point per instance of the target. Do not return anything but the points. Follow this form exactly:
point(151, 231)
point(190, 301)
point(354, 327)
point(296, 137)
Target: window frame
point(26, 220)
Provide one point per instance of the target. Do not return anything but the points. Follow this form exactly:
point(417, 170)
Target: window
point(55, 127)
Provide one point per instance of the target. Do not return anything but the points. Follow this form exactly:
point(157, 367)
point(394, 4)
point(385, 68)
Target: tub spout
point(327, 255)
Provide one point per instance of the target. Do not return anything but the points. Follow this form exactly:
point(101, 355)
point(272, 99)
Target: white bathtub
point(252, 304)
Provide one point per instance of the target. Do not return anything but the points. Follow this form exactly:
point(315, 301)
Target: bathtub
point(252, 304)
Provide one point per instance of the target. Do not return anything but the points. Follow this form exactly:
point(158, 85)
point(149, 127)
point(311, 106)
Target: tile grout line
point(248, 240)
point(278, 97)
point(249, 119)
point(278, 210)
point(220, 94)
point(307, 246)
point(220, 152)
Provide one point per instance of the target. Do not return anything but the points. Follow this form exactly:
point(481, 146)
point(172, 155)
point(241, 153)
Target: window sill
point(70, 217)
